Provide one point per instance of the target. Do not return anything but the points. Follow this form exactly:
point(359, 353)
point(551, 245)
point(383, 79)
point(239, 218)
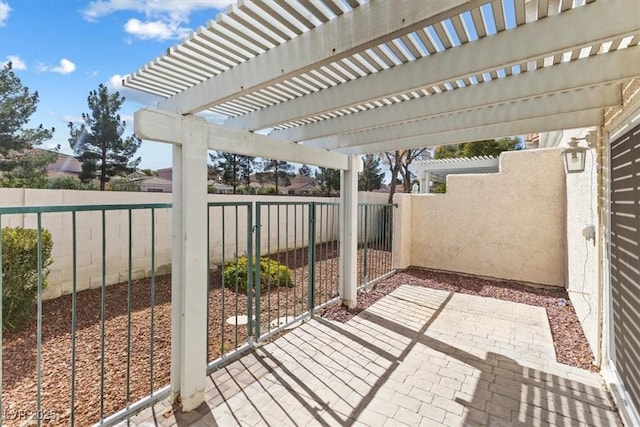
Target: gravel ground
point(19, 348)
point(570, 343)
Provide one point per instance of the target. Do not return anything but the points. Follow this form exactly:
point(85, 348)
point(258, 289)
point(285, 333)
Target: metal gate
point(625, 260)
point(296, 262)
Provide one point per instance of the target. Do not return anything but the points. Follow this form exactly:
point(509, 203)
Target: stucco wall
point(582, 254)
point(89, 232)
point(508, 225)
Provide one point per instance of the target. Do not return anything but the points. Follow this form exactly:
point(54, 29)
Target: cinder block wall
point(89, 232)
point(509, 225)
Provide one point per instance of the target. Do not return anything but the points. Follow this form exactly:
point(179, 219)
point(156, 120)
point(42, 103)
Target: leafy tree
point(488, 147)
point(371, 177)
point(98, 141)
point(399, 162)
point(328, 179)
point(149, 172)
point(304, 170)
point(20, 164)
point(234, 169)
point(278, 170)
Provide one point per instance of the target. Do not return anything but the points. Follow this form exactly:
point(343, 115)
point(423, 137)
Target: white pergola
point(333, 79)
point(438, 169)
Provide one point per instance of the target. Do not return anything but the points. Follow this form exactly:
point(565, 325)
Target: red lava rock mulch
point(19, 347)
point(570, 343)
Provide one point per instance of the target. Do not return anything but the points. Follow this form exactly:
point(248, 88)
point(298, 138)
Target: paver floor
point(418, 357)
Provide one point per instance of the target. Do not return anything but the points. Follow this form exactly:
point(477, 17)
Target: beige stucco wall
point(583, 261)
point(509, 225)
point(89, 231)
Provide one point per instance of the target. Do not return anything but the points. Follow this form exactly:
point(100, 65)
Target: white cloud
point(16, 62)
point(115, 82)
point(65, 67)
point(4, 13)
point(93, 73)
point(150, 8)
point(155, 30)
point(76, 120)
point(163, 19)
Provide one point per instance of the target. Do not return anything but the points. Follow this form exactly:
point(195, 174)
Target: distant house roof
point(136, 176)
point(299, 186)
point(154, 180)
point(301, 179)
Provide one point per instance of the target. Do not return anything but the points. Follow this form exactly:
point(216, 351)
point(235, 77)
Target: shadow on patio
point(417, 357)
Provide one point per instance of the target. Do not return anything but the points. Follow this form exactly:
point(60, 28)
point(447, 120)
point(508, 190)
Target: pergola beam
point(561, 103)
point(501, 50)
point(376, 22)
point(595, 70)
point(157, 125)
point(585, 118)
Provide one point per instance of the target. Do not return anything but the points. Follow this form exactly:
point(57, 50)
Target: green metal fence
point(375, 234)
point(303, 237)
point(121, 363)
point(230, 281)
point(118, 332)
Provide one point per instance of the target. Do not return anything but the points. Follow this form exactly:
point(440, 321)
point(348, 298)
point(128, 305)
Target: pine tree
point(304, 170)
point(98, 141)
point(234, 169)
point(20, 165)
point(328, 180)
point(279, 171)
point(371, 177)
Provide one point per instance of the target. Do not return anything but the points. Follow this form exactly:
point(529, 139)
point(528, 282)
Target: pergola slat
point(543, 8)
point(614, 68)
point(288, 6)
point(307, 4)
point(498, 15)
point(519, 9)
point(253, 12)
point(479, 53)
point(478, 22)
point(270, 8)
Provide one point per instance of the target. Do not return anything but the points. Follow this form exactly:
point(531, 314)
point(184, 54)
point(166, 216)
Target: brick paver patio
point(418, 357)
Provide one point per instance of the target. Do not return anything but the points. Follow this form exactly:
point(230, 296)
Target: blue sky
point(66, 48)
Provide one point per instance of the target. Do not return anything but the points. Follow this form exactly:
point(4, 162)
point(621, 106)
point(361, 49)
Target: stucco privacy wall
point(509, 225)
point(582, 254)
point(89, 232)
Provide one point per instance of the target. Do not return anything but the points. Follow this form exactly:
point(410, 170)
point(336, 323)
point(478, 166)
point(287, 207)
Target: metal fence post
point(250, 272)
point(312, 258)
point(256, 260)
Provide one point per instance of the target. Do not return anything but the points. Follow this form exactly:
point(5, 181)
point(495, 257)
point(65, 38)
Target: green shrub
point(20, 273)
point(271, 272)
point(69, 183)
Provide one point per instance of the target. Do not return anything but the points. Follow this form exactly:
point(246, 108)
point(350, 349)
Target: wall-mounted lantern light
point(575, 156)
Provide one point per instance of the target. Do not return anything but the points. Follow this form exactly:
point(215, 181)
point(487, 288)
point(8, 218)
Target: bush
point(20, 273)
point(271, 271)
point(69, 183)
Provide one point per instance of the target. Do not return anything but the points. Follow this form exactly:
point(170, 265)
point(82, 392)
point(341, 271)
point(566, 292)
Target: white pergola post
point(349, 232)
point(176, 272)
point(424, 182)
point(189, 266)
